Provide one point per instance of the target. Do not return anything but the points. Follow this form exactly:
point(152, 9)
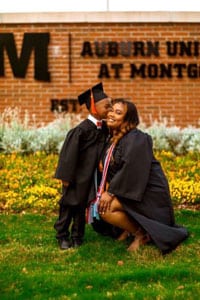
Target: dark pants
point(71, 222)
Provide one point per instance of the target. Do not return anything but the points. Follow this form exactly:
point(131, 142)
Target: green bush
point(21, 134)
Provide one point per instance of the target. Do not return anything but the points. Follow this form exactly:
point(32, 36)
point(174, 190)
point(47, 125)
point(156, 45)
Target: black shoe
point(64, 244)
point(77, 243)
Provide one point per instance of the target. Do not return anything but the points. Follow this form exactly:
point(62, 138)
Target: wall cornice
point(101, 17)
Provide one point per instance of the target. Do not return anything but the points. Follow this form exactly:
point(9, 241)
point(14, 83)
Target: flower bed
point(28, 184)
point(183, 173)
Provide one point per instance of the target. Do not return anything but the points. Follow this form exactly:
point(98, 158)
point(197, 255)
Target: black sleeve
point(131, 180)
point(69, 155)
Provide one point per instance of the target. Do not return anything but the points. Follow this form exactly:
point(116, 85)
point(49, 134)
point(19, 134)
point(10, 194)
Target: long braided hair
point(131, 119)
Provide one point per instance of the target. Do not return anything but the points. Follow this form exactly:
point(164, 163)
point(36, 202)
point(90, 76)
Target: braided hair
point(131, 119)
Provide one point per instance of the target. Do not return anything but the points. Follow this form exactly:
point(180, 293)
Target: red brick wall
point(176, 98)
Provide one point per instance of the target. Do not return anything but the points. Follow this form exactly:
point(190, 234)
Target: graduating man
point(77, 163)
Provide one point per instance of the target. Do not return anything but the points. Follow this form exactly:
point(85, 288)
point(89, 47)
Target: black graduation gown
point(78, 159)
point(138, 181)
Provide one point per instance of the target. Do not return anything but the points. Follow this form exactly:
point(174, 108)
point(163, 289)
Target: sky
point(10, 6)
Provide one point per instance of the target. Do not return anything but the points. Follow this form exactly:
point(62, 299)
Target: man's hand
point(65, 183)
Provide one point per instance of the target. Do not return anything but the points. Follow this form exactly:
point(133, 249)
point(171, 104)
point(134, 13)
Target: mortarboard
point(96, 91)
point(85, 98)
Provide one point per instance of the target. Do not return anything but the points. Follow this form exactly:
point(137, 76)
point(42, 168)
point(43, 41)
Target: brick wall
point(174, 98)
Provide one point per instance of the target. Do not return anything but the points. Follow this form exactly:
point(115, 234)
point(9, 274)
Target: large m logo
point(37, 42)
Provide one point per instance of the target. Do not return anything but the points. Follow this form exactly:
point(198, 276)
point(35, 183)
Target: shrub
point(20, 134)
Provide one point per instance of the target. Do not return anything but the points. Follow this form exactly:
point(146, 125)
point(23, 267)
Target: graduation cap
point(96, 93)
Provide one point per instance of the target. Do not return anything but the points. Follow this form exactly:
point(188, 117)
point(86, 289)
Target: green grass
point(33, 267)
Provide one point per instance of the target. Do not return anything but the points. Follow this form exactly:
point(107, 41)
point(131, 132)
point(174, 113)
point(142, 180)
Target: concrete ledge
point(101, 17)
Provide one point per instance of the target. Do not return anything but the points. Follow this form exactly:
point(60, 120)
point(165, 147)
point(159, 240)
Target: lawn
point(33, 267)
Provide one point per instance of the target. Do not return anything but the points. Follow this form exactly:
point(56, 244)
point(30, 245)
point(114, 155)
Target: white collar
point(94, 120)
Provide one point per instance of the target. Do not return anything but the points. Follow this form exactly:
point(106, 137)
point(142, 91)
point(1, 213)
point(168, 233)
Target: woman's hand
point(105, 202)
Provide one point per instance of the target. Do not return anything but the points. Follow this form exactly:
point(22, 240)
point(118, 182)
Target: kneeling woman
point(137, 198)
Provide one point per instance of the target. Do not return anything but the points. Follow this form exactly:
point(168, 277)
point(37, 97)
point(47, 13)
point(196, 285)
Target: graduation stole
point(92, 211)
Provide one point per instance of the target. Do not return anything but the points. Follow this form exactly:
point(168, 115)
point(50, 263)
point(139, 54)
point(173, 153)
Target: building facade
point(153, 59)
